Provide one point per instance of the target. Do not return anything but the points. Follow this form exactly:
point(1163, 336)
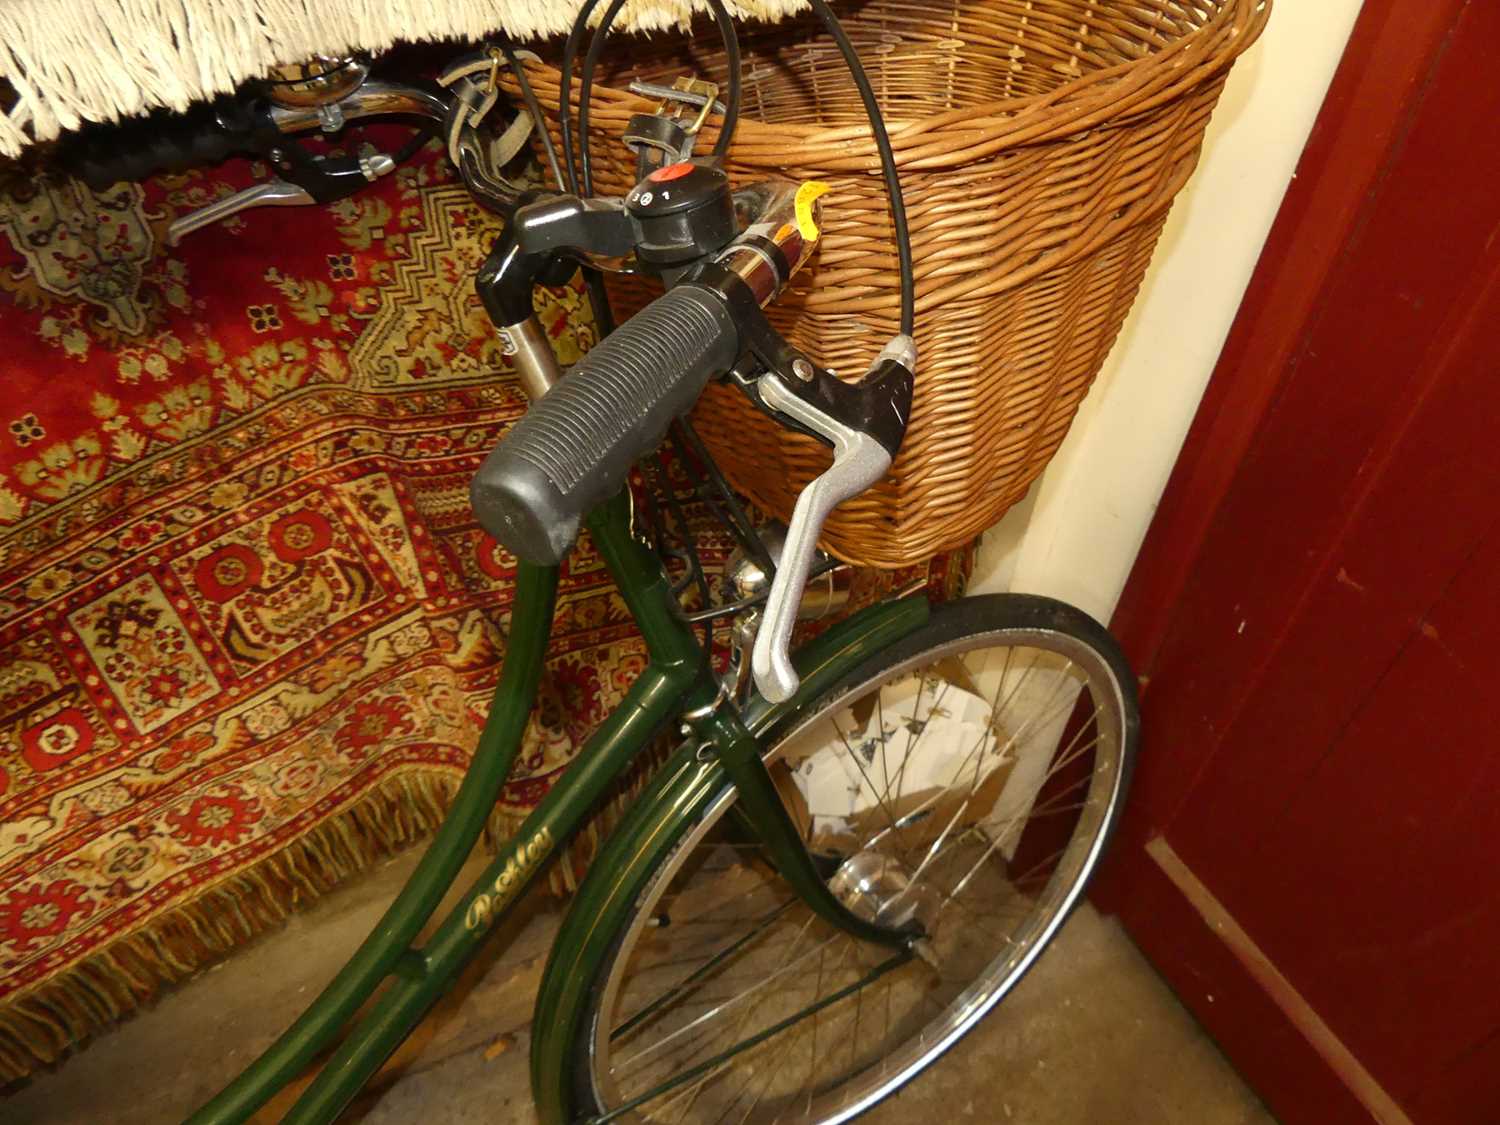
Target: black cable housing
point(734, 66)
point(586, 90)
point(580, 176)
point(534, 108)
point(887, 161)
point(565, 91)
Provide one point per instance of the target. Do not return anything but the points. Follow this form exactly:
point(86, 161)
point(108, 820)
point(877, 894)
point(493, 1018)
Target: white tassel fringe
point(73, 61)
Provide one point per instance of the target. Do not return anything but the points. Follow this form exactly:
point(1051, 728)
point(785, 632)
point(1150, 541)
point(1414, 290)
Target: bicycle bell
point(320, 80)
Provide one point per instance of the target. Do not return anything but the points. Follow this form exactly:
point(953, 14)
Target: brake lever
point(864, 423)
point(313, 180)
point(272, 193)
point(858, 462)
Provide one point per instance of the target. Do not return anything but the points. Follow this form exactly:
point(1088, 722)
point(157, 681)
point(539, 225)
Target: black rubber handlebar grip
point(575, 446)
point(104, 154)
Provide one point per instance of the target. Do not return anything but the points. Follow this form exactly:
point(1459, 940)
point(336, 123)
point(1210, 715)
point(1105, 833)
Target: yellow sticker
point(807, 194)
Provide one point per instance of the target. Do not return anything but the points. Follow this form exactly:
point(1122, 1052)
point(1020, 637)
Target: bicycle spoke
point(764, 1085)
point(699, 973)
point(912, 728)
point(740, 999)
point(915, 729)
point(707, 1067)
point(976, 755)
point(1032, 813)
point(747, 1008)
point(812, 1055)
point(691, 1095)
point(937, 844)
point(885, 765)
point(958, 889)
point(859, 1005)
point(854, 756)
point(770, 1072)
point(1061, 688)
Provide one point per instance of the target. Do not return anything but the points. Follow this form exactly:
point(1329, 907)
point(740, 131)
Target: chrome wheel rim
point(617, 1067)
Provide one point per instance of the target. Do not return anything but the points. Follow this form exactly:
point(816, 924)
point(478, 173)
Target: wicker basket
point(1040, 145)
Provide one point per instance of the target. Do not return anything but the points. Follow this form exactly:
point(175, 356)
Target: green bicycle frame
point(677, 683)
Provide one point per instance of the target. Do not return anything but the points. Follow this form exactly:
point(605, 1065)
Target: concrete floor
point(1091, 1036)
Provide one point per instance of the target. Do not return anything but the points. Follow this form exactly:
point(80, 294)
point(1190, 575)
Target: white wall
point(1077, 533)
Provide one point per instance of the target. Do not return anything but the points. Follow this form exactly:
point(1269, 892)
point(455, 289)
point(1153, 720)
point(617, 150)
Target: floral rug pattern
point(248, 628)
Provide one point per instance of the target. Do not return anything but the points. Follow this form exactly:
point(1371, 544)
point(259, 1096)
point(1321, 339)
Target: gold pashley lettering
point(520, 864)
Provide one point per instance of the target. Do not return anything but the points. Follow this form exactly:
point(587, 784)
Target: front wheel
point(968, 778)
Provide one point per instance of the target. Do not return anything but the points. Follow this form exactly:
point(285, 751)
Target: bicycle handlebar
point(575, 446)
point(235, 125)
point(101, 155)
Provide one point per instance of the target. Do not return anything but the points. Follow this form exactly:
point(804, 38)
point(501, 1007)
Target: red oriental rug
point(248, 626)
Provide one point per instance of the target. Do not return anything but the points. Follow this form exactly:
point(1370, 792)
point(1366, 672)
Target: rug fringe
point(107, 59)
point(48, 1021)
point(45, 1024)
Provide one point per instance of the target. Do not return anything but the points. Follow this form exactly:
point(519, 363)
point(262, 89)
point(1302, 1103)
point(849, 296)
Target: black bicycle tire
point(969, 617)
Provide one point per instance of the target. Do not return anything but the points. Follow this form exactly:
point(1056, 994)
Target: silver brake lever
point(272, 193)
point(859, 461)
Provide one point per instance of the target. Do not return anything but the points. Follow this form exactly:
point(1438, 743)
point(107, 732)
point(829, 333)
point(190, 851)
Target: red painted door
point(1313, 851)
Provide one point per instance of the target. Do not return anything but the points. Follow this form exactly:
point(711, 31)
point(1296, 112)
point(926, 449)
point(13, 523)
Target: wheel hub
point(879, 888)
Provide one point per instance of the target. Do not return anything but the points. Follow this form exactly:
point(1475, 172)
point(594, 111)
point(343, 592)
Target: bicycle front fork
point(739, 752)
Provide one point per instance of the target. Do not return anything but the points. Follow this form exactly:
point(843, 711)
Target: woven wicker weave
point(1040, 145)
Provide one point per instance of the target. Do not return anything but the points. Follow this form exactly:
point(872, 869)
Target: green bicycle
point(859, 847)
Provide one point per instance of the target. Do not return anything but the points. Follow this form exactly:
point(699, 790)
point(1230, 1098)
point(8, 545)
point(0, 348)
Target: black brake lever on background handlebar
point(304, 179)
point(252, 125)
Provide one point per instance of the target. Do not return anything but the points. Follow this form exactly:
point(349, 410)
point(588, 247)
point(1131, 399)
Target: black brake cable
point(604, 318)
point(586, 90)
point(565, 91)
point(733, 66)
point(887, 161)
point(731, 44)
point(534, 108)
